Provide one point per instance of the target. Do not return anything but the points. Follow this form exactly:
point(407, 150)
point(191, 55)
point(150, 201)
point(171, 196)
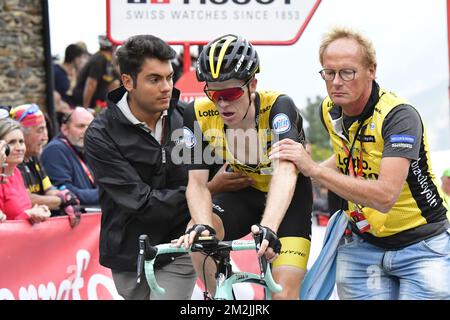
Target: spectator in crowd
point(84, 57)
point(15, 202)
point(142, 190)
point(399, 243)
point(62, 108)
point(36, 181)
point(64, 160)
point(96, 77)
point(65, 74)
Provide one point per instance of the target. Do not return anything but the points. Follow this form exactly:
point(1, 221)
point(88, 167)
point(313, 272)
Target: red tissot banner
point(52, 261)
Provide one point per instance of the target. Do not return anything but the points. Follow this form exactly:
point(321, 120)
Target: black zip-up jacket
point(141, 190)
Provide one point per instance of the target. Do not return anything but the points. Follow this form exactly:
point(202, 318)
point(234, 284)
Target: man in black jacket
point(142, 190)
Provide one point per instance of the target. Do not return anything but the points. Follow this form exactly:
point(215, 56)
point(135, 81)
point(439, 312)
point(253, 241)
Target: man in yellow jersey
point(237, 126)
point(399, 243)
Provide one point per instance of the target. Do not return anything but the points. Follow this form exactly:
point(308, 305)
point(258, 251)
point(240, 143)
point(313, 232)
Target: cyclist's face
point(350, 95)
point(232, 110)
point(153, 89)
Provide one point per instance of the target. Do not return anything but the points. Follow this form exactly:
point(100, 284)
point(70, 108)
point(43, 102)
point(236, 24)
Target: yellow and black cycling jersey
point(34, 177)
point(210, 145)
point(205, 135)
point(391, 128)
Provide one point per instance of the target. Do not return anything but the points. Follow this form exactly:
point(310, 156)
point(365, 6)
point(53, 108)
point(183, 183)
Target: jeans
point(419, 271)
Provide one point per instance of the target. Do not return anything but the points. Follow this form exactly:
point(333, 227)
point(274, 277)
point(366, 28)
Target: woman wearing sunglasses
point(15, 202)
point(236, 124)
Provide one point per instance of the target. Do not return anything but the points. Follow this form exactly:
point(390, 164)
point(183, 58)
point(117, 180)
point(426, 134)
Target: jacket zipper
point(163, 153)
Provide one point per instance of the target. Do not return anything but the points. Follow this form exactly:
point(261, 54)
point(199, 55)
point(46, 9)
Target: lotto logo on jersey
point(281, 123)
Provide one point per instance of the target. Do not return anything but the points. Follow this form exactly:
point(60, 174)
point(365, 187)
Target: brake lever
point(146, 252)
point(262, 260)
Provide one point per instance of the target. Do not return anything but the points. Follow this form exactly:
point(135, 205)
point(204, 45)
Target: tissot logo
point(151, 1)
point(209, 1)
point(233, 1)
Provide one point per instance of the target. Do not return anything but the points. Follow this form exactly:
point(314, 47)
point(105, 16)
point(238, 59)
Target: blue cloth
point(63, 168)
point(319, 281)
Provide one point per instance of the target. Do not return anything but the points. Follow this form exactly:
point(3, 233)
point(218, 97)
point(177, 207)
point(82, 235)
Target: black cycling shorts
point(241, 209)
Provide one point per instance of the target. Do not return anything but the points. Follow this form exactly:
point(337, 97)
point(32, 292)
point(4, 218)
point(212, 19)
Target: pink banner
point(51, 261)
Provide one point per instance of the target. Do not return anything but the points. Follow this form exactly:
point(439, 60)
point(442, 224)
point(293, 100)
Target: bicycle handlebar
point(148, 254)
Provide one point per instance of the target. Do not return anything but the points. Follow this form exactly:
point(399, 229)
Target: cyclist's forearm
point(281, 190)
point(200, 203)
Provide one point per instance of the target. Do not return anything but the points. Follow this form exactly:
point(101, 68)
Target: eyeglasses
point(229, 94)
point(32, 109)
point(344, 74)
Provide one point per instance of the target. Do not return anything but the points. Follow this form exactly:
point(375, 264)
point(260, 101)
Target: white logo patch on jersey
point(189, 138)
point(281, 123)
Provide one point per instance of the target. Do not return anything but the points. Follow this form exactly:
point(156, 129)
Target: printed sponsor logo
point(218, 208)
point(403, 138)
point(364, 138)
point(281, 123)
point(151, 1)
point(239, 2)
point(402, 145)
point(265, 109)
point(189, 138)
point(208, 113)
point(293, 252)
point(422, 179)
point(372, 126)
point(238, 65)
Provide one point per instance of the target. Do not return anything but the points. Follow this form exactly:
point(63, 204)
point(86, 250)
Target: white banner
point(200, 21)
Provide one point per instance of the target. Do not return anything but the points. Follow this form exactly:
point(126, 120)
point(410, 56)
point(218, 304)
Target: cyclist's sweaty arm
point(198, 194)
point(281, 190)
point(199, 197)
point(285, 122)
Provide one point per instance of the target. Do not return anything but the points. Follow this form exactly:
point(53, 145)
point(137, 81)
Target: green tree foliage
point(316, 134)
